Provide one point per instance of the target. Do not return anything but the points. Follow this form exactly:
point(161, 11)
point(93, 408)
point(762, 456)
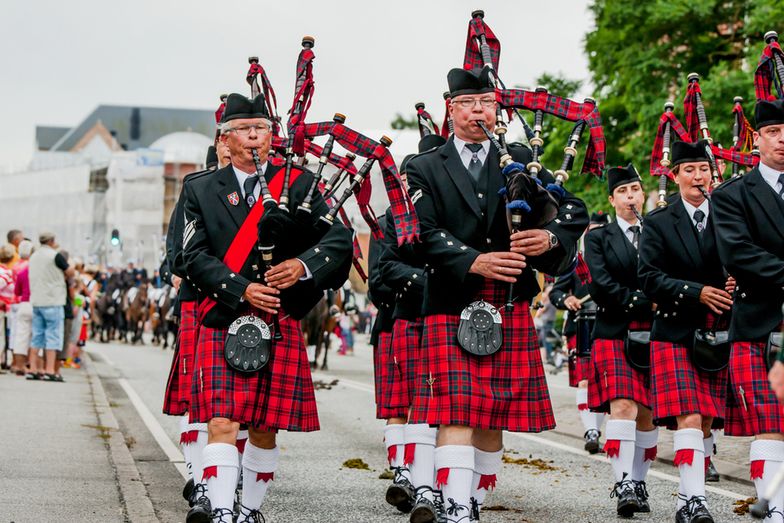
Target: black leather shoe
point(201, 509)
point(698, 511)
point(683, 515)
point(711, 474)
point(400, 493)
point(187, 491)
point(642, 496)
point(591, 438)
point(628, 503)
point(428, 507)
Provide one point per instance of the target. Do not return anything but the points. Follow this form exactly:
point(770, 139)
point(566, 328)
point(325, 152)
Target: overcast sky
point(59, 60)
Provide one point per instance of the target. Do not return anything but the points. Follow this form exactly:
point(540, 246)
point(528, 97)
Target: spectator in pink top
point(23, 317)
point(7, 296)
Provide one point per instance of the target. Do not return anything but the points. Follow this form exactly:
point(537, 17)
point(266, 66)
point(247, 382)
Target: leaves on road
point(531, 462)
point(356, 463)
point(742, 505)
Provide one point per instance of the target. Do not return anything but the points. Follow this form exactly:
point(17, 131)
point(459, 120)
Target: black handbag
point(480, 331)
point(638, 350)
point(710, 351)
point(773, 348)
point(248, 344)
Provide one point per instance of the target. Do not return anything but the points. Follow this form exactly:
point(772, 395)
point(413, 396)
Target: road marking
point(167, 445)
point(554, 444)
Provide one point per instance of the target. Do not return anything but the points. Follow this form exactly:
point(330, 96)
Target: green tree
point(401, 122)
point(641, 52)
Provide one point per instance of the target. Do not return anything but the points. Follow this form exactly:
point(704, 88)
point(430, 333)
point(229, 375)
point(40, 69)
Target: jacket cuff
point(229, 291)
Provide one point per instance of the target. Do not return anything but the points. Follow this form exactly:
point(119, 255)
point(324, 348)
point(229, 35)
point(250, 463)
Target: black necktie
point(250, 185)
point(781, 182)
point(635, 235)
point(699, 217)
point(475, 165)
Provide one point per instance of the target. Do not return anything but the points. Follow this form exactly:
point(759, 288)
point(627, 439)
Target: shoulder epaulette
point(728, 182)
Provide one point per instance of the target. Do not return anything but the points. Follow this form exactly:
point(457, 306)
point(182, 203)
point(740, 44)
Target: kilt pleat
point(504, 391)
point(752, 408)
point(579, 366)
point(178, 387)
point(613, 377)
point(385, 373)
point(679, 388)
point(406, 337)
point(278, 397)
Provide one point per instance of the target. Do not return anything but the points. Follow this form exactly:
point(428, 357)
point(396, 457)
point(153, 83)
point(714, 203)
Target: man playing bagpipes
point(620, 381)
point(570, 293)
point(481, 368)
point(251, 365)
point(749, 217)
point(679, 270)
point(404, 271)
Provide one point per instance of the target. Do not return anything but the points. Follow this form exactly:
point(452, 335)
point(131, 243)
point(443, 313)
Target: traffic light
point(115, 237)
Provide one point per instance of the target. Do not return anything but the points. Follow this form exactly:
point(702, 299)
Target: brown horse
point(318, 324)
point(136, 314)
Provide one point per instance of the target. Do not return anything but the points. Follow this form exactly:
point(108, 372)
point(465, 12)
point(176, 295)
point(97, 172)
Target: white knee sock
point(619, 446)
point(690, 460)
point(185, 445)
point(766, 457)
point(258, 470)
point(420, 446)
point(586, 416)
point(221, 468)
point(644, 453)
point(599, 420)
point(707, 447)
point(197, 449)
point(454, 475)
point(487, 465)
point(394, 441)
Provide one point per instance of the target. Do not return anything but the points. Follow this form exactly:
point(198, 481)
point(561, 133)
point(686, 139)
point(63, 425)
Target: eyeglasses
point(244, 130)
point(469, 103)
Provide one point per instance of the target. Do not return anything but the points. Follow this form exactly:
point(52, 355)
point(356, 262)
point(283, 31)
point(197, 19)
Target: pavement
point(97, 448)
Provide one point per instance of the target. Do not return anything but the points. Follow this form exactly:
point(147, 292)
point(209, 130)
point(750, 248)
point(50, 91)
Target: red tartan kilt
point(504, 391)
point(406, 337)
point(678, 387)
point(579, 367)
point(761, 413)
point(177, 397)
point(385, 372)
point(279, 397)
point(613, 378)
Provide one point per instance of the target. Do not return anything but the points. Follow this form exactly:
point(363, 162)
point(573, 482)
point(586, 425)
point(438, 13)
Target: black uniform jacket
point(612, 260)
point(565, 286)
point(211, 223)
point(749, 218)
point(461, 219)
point(187, 291)
point(403, 270)
point(673, 268)
point(379, 293)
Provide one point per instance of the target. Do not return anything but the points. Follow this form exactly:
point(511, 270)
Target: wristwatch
point(553, 240)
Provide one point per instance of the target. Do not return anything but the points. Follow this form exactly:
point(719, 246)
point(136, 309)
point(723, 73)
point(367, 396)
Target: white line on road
point(554, 444)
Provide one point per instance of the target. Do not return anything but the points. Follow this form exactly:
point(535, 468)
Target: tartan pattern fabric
point(745, 130)
point(731, 155)
point(752, 408)
point(613, 377)
point(178, 388)
point(579, 367)
point(503, 391)
point(765, 74)
point(406, 222)
point(426, 123)
point(473, 55)
point(676, 128)
point(690, 110)
point(270, 99)
point(445, 123)
point(278, 397)
point(678, 387)
point(385, 372)
point(406, 339)
point(565, 109)
point(581, 270)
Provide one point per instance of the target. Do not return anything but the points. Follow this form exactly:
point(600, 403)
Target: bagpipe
point(529, 203)
point(740, 154)
point(294, 141)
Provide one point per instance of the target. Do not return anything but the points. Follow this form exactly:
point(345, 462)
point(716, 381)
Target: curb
point(136, 503)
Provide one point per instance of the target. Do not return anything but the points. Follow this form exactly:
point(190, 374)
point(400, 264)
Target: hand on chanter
point(502, 266)
point(262, 297)
point(533, 242)
point(285, 274)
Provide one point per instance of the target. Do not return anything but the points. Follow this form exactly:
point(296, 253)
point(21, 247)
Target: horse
point(136, 311)
point(160, 311)
point(107, 313)
point(318, 324)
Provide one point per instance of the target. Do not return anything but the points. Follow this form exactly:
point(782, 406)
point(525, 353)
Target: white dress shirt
point(690, 210)
point(771, 176)
point(624, 225)
point(466, 154)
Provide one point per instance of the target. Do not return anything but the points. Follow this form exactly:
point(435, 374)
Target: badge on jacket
point(234, 198)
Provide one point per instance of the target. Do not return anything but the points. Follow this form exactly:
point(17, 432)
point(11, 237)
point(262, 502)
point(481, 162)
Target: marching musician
point(749, 217)
point(242, 375)
point(405, 273)
point(474, 396)
point(679, 270)
point(569, 294)
point(620, 381)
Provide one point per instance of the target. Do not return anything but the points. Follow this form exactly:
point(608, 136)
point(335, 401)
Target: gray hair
point(26, 248)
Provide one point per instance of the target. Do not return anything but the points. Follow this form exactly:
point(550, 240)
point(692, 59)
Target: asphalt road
point(313, 486)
